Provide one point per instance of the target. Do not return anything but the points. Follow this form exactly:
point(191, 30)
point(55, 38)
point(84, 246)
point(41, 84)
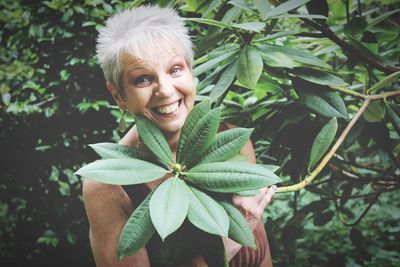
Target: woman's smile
point(168, 110)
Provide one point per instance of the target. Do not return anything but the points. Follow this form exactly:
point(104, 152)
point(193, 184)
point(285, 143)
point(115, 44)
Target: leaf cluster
point(202, 168)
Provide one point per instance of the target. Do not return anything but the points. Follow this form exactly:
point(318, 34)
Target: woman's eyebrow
point(175, 59)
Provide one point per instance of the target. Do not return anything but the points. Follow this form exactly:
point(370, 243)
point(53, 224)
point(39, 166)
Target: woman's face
point(159, 86)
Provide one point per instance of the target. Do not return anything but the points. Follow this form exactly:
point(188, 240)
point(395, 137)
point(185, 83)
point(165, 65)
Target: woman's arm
point(108, 208)
point(251, 207)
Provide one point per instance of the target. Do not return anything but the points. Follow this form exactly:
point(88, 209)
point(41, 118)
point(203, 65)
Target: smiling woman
point(146, 57)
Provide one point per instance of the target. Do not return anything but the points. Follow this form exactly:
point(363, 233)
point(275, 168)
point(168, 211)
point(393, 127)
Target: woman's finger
point(269, 194)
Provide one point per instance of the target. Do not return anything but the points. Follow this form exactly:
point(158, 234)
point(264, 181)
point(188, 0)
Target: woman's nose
point(164, 88)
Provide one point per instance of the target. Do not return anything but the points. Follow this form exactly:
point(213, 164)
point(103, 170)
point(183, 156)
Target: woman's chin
point(172, 126)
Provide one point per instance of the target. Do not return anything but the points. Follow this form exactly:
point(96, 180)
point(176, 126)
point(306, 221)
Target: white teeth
point(168, 109)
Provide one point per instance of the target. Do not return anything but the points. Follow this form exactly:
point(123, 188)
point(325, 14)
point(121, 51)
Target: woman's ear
point(116, 95)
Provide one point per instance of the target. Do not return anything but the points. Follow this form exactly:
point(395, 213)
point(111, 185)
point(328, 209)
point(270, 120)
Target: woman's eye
point(176, 70)
point(142, 81)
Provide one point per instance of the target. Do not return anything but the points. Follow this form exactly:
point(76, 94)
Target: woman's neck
point(173, 140)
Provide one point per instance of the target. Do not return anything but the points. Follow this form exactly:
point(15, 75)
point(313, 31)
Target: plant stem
point(348, 92)
point(328, 156)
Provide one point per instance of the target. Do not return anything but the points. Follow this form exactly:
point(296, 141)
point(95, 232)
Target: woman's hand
point(252, 207)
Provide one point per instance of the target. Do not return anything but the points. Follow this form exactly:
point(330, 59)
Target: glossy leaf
point(224, 81)
point(239, 157)
point(272, 168)
point(201, 136)
point(250, 67)
point(226, 145)
point(112, 150)
point(250, 26)
point(210, 22)
point(122, 171)
point(295, 54)
point(240, 4)
point(322, 142)
point(285, 7)
point(154, 139)
point(206, 214)
point(320, 77)
point(386, 81)
point(231, 176)
point(137, 230)
point(328, 104)
point(248, 193)
point(374, 112)
point(169, 206)
point(198, 112)
point(239, 229)
point(262, 6)
point(308, 16)
point(277, 59)
point(212, 63)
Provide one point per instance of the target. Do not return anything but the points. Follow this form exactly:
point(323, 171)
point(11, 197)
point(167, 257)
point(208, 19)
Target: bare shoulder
point(103, 200)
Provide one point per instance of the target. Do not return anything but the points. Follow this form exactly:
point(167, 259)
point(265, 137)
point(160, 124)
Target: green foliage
point(53, 94)
point(322, 142)
point(175, 198)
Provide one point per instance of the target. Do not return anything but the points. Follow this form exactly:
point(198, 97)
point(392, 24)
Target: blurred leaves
point(267, 67)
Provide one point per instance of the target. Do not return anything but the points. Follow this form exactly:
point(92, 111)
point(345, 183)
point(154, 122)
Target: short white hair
point(131, 31)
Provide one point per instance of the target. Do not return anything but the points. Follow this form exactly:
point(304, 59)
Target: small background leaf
point(250, 67)
point(322, 142)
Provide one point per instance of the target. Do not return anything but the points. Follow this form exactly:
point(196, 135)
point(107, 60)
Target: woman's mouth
point(168, 110)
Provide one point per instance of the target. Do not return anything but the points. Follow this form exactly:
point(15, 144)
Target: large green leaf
point(201, 136)
point(112, 150)
point(374, 112)
point(198, 112)
point(169, 206)
point(250, 67)
point(239, 229)
point(224, 81)
point(137, 230)
point(322, 142)
point(212, 63)
point(206, 214)
point(248, 193)
point(154, 139)
point(394, 115)
point(122, 171)
point(231, 176)
point(319, 77)
point(320, 99)
point(277, 59)
point(327, 103)
point(295, 54)
point(226, 145)
point(285, 7)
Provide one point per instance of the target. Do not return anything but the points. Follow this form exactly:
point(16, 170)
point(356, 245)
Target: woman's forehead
point(150, 56)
